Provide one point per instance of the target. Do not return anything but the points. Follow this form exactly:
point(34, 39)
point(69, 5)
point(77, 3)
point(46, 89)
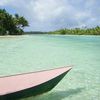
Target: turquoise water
point(38, 52)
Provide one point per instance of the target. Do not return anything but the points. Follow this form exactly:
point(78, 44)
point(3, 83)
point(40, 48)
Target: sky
point(49, 15)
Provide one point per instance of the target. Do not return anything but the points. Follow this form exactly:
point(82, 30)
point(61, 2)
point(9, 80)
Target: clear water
point(38, 52)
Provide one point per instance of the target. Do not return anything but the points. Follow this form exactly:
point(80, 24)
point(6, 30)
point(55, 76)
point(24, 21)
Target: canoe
point(30, 84)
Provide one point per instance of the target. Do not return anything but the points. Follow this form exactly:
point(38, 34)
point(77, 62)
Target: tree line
point(78, 31)
point(11, 24)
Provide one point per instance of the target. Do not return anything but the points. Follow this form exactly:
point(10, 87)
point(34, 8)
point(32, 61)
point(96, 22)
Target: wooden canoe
point(30, 84)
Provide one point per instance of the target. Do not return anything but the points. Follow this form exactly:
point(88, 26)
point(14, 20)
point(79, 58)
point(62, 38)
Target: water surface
point(38, 52)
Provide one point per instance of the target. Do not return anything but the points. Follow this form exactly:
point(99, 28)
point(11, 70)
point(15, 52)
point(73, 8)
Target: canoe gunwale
point(70, 67)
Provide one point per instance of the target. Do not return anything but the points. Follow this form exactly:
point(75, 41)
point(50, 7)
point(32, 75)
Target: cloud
point(3, 2)
point(46, 15)
point(46, 10)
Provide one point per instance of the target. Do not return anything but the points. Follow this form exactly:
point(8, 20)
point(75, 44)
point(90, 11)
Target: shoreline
point(10, 36)
point(14, 36)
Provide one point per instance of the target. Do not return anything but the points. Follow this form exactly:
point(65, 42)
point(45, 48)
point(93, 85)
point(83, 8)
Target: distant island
point(73, 31)
point(78, 31)
point(14, 25)
point(35, 32)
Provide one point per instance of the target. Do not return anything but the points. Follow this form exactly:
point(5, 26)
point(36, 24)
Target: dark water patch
point(58, 95)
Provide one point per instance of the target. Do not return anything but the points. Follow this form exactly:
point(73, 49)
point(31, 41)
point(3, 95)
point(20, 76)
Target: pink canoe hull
point(20, 82)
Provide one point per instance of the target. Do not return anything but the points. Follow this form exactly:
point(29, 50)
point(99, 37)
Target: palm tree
point(11, 24)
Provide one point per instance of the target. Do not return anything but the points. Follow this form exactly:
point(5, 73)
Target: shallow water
point(38, 52)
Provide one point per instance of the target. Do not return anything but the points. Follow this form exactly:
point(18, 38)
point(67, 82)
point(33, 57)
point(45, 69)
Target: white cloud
point(47, 9)
point(3, 2)
point(54, 14)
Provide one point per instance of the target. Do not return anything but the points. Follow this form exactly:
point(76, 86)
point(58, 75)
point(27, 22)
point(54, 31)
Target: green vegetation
point(11, 25)
point(78, 31)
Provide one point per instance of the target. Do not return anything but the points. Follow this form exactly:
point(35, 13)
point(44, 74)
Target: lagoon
point(26, 53)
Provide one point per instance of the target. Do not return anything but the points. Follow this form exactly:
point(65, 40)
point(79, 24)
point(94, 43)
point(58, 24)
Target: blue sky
point(48, 15)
